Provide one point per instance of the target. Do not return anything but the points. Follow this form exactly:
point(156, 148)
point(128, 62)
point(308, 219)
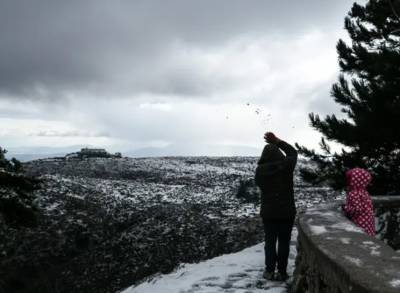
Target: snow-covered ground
point(239, 272)
point(152, 181)
point(107, 224)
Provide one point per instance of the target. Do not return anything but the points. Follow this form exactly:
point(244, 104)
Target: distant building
point(92, 153)
point(87, 152)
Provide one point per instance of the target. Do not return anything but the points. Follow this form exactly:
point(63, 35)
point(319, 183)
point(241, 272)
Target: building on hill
point(99, 153)
point(92, 153)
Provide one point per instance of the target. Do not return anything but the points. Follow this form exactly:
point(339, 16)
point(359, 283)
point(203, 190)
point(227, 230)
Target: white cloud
point(259, 84)
point(224, 81)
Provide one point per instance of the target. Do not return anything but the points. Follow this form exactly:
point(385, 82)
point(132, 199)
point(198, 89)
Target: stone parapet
point(334, 255)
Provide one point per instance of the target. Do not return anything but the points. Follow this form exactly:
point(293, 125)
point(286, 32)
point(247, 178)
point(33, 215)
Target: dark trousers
point(277, 231)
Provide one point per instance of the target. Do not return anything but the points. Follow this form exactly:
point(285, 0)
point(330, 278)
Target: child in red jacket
point(358, 206)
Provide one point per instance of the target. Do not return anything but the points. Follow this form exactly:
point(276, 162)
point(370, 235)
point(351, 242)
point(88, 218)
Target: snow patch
point(395, 283)
point(241, 272)
point(211, 273)
point(52, 206)
point(317, 230)
point(354, 260)
point(322, 213)
point(347, 227)
point(81, 197)
point(375, 253)
point(373, 247)
point(345, 240)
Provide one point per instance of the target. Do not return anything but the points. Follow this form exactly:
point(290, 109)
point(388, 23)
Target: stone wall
point(334, 255)
point(387, 219)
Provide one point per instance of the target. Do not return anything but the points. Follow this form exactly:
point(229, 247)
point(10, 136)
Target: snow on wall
point(336, 255)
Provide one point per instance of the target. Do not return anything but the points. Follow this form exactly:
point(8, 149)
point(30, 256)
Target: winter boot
point(281, 277)
point(269, 275)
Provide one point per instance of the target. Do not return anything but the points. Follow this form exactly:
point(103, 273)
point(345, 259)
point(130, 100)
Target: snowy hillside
point(106, 224)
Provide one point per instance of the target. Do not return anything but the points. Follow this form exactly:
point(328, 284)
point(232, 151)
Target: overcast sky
point(126, 74)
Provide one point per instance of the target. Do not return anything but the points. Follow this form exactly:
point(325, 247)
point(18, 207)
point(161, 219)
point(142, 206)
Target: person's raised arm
point(290, 151)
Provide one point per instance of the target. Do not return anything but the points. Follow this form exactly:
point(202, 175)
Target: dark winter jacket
point(274, 177)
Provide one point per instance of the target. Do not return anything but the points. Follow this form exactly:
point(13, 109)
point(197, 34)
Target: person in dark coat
point(274, 177)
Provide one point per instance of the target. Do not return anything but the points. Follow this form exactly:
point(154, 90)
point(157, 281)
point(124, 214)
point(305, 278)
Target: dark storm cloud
point(49, 48)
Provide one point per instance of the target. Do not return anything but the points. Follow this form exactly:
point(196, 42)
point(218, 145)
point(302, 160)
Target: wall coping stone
point(386, 201)
point(346, 256)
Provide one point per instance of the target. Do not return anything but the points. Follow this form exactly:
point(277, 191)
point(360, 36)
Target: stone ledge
point(334, 255)
point(386, 201)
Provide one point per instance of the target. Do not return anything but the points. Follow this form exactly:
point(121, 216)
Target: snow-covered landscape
point(131, 132)
point(111, 223)
point(238, 272)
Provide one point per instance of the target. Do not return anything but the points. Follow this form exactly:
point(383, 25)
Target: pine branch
point(394, 10)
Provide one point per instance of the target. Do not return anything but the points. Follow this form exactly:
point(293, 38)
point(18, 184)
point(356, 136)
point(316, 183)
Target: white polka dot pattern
point(358, 205)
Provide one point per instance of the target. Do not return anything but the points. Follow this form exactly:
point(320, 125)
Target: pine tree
point(3, 161)
point(368, 90)
point(17, 201)
point(12, 165)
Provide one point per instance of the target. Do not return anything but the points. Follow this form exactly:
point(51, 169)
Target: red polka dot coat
point(358, 206)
